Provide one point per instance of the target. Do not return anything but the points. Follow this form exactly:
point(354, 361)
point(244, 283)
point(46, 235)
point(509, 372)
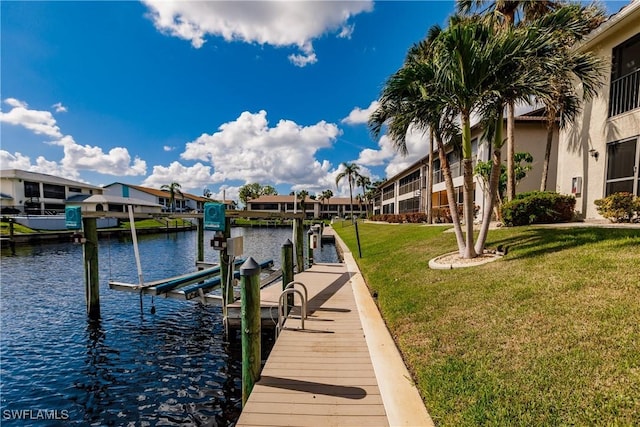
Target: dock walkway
point(343, 369)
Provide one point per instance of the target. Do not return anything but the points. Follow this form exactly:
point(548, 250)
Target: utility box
point(73, 217)
point(235, 246)
point(214, 216)
point(576, 186)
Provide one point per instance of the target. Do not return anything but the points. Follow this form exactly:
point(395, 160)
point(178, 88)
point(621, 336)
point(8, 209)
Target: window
point(75, 190)
point(388, 192)
point(625, 77)
point(387, 209)
point(410, 183)
point(409, 205)
point(623, 163)
point(265, 206)
point(31, 189)
point(52, 191)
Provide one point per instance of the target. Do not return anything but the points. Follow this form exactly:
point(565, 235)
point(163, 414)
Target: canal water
point(173, 367)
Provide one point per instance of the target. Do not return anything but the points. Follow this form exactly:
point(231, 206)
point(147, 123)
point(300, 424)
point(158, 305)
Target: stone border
point(452, 260)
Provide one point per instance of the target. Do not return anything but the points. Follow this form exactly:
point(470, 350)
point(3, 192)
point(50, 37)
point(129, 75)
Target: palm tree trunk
point(468, 205)
point(429, 194)
point(547, 157)
point(494, 182)
point(351, 200)
point(453, 206)
point(511, 174)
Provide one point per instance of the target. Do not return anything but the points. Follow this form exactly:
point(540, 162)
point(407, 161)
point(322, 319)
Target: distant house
point(184, 202)
point(335, 206)
point(32, 193)
point(601, 154)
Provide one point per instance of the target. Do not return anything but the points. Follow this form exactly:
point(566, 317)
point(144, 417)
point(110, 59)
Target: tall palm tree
point(350, 172)
point(364, 182)
point(302, 196)
point(325, 196)
point(568, 67)
point(504, 14)
point(174, 189)
point(461, 70)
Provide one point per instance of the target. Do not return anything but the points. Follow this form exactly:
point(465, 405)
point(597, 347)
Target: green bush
point(538, 207)
point(619, 207)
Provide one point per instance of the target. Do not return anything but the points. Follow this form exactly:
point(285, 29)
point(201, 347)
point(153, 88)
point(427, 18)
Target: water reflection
point(173, 367)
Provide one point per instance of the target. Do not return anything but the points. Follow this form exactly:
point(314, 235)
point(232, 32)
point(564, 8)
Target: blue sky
point(208, 94)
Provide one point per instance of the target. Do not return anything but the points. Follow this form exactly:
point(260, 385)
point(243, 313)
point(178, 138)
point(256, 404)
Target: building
point(31, 193)
point(406, 192)
point(184, 202)
point(335, 206)
point(600, 155)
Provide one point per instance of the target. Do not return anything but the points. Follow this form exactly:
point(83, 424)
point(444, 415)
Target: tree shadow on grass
point(535, 242)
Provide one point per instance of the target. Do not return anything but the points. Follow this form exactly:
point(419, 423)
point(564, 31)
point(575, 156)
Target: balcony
point(625, 94)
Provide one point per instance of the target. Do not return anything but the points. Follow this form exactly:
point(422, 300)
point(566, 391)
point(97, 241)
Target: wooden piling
point(226, 282)
point(12, 241)
point(250, 320)
point(287, 270)
point(91, 277)
point(310, 246)
point(201, 239)
point(299, 226)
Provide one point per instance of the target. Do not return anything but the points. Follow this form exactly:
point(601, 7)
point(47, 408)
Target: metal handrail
point(291, 285)
point(281, 310)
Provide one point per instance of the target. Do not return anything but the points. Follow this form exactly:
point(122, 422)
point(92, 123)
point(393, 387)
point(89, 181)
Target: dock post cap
point(287, 243)
point(250, 267)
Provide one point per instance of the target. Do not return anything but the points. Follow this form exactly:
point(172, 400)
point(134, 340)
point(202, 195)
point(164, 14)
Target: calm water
point(130, 368)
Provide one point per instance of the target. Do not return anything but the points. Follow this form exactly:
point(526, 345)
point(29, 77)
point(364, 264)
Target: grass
point(17, 228)
point(158, 223)
point(549, 335)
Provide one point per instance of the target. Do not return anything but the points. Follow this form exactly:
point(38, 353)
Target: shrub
point(538, 207)
point(619, 207)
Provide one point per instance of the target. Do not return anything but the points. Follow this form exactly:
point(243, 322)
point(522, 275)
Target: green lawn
point(549, 335)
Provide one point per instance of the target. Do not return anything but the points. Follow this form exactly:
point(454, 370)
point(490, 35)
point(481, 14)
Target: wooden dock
point(343, 369)
point(322, 375)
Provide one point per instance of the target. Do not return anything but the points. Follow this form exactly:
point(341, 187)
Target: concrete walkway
point(343, 369)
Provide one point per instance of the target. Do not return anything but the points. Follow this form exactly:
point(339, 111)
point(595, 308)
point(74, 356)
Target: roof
point(624, 15)
point(43, 177)
point(163, 193)
point(6, 196)
point(101, 198)
point(289, 199)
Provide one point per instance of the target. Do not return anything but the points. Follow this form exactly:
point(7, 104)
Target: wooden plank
point(322, 375)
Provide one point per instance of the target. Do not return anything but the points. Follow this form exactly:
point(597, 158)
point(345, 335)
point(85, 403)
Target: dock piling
point(250, 321)
point(299, 233)
point(201, 239)
point(287, 270)
point(92, 282)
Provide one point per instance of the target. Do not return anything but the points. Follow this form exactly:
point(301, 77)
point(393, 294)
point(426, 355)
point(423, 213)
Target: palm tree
point(350, 172)
point(325, 195)
point(302, 196)
point(173, 189)
point(568, 67)
point(504, 14)
point(458, 71)
point(364, 182)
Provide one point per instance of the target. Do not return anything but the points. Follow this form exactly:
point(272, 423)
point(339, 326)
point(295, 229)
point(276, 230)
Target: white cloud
point(193, 177)
point(277, 23)
point(168, 148)
point(247, 149)
point(76, 157)
point(417, 147)
point(39, 122)
point(59, 108)
point(359, 116)
point(42, 165)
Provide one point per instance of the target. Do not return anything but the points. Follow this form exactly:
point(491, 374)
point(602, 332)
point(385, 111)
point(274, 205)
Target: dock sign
point(214, 216)
point(73, 217)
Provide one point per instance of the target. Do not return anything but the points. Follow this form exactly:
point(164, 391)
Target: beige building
point(406, 192)
point(600, 155)
point(335, 206)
